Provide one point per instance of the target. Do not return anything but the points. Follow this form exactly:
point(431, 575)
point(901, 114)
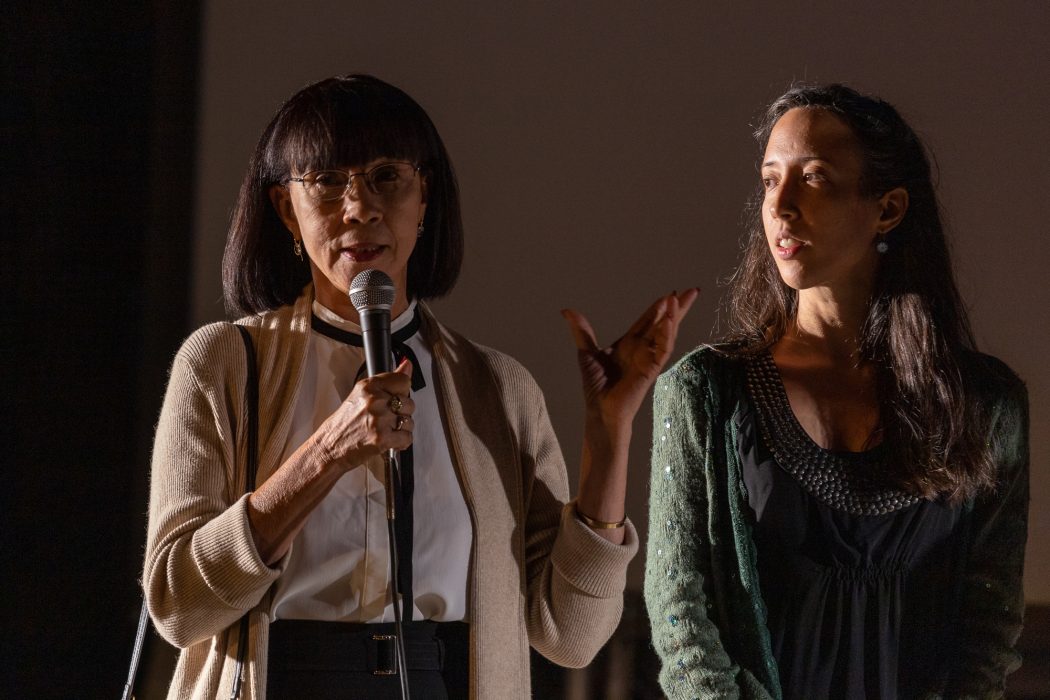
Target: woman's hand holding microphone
point(374, 418)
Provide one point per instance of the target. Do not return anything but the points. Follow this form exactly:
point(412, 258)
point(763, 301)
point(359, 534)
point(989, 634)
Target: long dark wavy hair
point(338, 122)
point(917, 334)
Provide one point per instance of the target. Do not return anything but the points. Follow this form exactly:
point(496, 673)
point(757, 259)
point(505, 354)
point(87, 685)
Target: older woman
point(351, 175)
point(839, 492)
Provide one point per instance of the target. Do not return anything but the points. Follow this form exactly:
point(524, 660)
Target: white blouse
point(339, 564)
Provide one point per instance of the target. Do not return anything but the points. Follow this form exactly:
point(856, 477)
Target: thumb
point(582, 333)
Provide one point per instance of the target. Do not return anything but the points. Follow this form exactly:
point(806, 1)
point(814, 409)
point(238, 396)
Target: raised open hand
point(616, 378)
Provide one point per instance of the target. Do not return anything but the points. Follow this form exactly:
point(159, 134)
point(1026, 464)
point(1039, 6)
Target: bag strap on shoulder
point(251, 399)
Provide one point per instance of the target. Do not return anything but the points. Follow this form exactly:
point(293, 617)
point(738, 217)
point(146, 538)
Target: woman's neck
point(830, 323)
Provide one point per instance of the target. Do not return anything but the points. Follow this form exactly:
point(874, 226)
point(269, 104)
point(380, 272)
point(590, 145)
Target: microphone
point(372, 293)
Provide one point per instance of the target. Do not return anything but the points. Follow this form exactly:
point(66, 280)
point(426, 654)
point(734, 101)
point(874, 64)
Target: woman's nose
point(360, 205)
point(782, 201)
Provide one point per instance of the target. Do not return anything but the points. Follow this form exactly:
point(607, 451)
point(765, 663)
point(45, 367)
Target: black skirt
point(344, 661)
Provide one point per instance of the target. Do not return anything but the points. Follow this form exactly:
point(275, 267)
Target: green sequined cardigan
point(701, 576)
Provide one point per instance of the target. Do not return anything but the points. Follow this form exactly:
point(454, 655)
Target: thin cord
point(399, 633)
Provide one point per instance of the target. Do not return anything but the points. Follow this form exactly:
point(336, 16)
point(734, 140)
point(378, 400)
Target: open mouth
point(363, 253)
point(787, 246)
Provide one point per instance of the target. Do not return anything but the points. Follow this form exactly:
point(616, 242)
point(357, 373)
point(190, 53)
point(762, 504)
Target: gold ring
point(395, 403)
point(400, 422)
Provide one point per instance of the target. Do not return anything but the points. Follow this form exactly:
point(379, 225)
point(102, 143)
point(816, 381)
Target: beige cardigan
point(537, 574)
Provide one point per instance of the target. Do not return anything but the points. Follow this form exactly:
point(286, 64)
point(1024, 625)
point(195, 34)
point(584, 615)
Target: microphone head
point(372, 290)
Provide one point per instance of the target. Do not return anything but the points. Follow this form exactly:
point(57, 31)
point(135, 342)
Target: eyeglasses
point(385, 180)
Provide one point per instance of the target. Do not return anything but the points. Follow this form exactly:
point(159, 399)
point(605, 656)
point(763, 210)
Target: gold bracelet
point(598, 524)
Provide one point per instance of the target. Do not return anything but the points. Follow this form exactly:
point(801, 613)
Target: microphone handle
point(375, 334)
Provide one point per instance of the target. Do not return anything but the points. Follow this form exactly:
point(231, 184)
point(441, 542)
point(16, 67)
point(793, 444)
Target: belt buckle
point(386, 655)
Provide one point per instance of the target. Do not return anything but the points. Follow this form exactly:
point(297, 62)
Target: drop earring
point(419, 229)
point(297, 248)
point(882, 246)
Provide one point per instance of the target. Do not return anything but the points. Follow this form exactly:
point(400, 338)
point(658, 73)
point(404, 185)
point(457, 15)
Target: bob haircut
point(917, 334)
point(339, 122)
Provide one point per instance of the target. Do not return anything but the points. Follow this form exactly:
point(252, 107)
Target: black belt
point(311, 645)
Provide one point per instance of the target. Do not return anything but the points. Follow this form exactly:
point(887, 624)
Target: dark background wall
point(604, 156)
point(98, 109)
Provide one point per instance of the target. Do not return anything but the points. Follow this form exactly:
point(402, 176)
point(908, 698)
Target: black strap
point(397, 342)
point(136, 652)
point(403, 524)
point(251, 399)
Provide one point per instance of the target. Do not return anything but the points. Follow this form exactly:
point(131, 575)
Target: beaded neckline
point(841, 480)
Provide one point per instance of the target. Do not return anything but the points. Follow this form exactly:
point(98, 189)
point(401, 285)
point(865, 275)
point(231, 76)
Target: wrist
point(605, 435)
point(327, 455)
point(596, 524)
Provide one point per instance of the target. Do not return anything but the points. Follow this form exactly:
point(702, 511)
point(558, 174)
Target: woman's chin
point(791, 275)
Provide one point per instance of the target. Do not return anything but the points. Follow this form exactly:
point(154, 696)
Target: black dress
point(857, 577)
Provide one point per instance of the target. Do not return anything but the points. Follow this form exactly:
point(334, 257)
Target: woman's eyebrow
point(803, 159)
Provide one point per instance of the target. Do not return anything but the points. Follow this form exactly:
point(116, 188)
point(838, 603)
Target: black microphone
point(372, 293)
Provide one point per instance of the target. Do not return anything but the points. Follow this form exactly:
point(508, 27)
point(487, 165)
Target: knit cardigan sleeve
point(679, 572)
point(992, 599)
point(202, 570)
point(574, 578)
